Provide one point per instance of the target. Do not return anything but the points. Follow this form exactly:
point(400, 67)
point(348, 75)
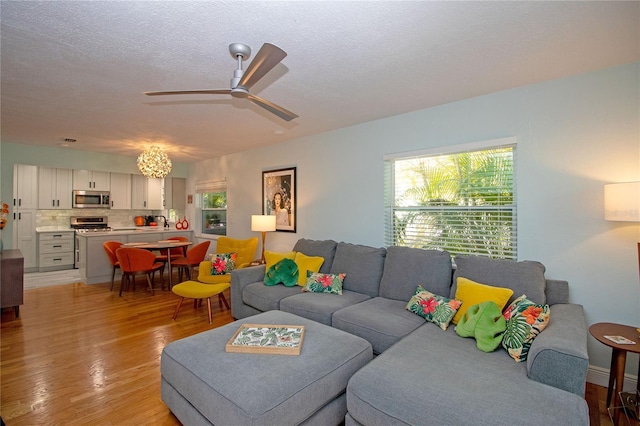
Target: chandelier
point(153, 163)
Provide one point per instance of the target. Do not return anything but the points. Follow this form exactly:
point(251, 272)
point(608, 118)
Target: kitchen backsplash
point(117, 218)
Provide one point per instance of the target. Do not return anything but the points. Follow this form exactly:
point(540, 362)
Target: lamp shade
point(622, 202)
point(263, 223)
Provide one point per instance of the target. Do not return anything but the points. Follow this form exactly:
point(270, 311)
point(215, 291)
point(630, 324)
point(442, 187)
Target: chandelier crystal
point(153, 163)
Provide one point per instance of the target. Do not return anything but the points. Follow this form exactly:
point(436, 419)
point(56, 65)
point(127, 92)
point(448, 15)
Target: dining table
point(162, 244)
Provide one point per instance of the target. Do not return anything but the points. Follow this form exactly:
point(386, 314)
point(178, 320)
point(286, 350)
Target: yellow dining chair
point(209, 285)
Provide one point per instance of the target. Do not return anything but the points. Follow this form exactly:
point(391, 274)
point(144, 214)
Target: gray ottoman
point(203, 384)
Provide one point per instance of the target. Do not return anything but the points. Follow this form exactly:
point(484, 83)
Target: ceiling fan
point(268, 57)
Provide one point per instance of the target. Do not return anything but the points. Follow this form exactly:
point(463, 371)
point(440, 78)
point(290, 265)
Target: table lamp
point(263, 223)
point(622, 203)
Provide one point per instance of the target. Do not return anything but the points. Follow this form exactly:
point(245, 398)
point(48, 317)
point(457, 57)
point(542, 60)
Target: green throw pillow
point(324, 283)
point(436, 309)
point(284, 271)
point(485, 322)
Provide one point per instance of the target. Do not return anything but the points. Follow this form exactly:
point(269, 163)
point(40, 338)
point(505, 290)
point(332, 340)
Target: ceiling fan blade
point(268, 57)
point(272, 108)
point(190, 92)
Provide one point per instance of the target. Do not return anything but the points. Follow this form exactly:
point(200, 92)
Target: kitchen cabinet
point(91, 180)
point(25, 187)
point(25, 203)
point(121, 194)
point(146, 194)
point(55, 251)
point(175, 193)
point(12, 279)
point(54, 188)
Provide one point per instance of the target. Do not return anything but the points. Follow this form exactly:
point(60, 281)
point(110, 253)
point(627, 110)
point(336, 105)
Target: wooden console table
point(12, 279)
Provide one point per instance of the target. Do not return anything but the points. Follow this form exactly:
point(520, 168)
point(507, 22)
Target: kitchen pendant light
point(153, 163)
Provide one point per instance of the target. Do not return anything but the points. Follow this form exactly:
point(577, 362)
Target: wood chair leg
point(209, 307)
point(175, 314)
point(223, 299)
point(149, 282)
point(113, 276)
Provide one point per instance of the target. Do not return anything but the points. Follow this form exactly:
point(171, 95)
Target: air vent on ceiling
point(69, 140)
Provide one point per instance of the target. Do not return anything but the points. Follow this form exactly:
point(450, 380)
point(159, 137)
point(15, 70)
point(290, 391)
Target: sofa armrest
point(558, 356)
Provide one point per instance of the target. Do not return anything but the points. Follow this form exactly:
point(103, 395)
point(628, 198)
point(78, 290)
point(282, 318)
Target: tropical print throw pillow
point(324, 283)
point(525, 320)
point(436, 309)
point(223, 263)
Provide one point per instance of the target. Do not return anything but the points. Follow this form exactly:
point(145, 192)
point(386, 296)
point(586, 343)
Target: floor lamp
point(263, 223)
point(622, 203)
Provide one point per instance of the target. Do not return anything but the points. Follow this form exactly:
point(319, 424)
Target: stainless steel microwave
point(91, 199)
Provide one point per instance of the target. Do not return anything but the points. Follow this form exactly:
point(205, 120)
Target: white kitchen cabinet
point(91, 180)
point(25, 203)
point(25, 187)
point(175, 190)
point(146, 194)
point(55, 251)
point(121, 191)
point(54, 188)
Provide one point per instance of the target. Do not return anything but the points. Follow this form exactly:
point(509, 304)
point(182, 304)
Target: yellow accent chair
point(209, 285)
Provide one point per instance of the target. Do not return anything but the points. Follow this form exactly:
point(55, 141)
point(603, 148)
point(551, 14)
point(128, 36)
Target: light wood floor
point(80, 355)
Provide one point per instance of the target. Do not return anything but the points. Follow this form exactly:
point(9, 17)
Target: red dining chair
point(135, 261)
point(176, 253)
point(194, 256)
point(110, 248)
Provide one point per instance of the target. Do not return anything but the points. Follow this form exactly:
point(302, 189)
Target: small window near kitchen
point(212, 204)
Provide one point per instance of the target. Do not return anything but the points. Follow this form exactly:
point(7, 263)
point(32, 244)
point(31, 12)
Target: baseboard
point(600, 376)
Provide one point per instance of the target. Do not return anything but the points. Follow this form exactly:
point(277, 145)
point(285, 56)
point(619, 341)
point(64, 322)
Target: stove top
point(89, 223)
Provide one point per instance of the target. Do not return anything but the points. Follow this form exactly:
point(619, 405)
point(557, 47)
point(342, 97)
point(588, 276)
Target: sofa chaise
point(424, 374)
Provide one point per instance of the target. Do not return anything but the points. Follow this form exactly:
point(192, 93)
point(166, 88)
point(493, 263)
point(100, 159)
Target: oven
point(91, 199)
point(82, 224)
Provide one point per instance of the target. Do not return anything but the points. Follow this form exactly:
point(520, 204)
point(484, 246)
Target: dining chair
point(194, 256)
point(135, 261)
point(176, 253)
point(110, 248)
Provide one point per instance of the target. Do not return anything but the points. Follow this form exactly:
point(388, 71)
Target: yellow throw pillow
point(307, 263)
point(272, 257)
point(472, 293)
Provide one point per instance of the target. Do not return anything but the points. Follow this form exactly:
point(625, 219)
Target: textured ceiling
point(77, 69)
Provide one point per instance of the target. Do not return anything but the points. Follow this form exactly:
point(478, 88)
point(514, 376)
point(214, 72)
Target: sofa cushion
point(526, 277)
point(363, 266)
point(432, 307)
point(265, 298)
point(380, 321)
point(322, 248)
point(525, 320)
point(324, 283)
point(464, 386)
point(471, 293)
point(320, 306)
point(405, 268)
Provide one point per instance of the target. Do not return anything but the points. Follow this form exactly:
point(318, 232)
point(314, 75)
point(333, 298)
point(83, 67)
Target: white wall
point(574, 135)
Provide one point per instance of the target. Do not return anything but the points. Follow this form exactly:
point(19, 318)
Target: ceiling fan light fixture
point(153, 163)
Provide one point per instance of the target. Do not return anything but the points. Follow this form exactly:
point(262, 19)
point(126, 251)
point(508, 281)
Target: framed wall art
point(279, 197)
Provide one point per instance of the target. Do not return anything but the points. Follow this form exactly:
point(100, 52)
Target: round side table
point(618, 354)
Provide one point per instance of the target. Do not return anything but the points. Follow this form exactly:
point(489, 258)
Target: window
point(461, 201)
point(212, 202)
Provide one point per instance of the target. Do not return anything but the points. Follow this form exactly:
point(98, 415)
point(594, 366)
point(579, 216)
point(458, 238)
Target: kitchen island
point(93, 262)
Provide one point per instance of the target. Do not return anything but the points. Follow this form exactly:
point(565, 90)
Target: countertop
point(114, 231)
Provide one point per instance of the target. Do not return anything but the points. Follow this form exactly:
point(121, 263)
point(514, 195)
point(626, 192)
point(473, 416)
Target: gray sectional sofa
point(423, 374)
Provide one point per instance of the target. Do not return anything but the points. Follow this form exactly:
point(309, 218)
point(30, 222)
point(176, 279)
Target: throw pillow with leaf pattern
point(324, 283)
point(525, 320)
point(436, 309)
point(223, 263)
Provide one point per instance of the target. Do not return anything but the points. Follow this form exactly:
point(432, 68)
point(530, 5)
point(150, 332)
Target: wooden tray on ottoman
point(272, 339)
